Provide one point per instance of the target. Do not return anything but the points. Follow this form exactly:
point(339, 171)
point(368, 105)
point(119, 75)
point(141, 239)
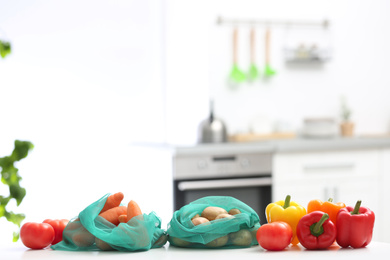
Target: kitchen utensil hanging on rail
point(268, 70)
point(5, 45)
point(236, 74)
point(253, 73)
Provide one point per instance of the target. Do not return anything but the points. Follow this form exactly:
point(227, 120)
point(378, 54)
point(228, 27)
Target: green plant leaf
point(5, 48)
point(15, 218)
point(3, 201)
point(21, 150)
point(17, 192)
point(2, 210)
point(11, 178)
point(15, 237)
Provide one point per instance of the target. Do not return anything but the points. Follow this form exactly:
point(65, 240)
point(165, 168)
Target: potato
point(161, 241)
point(179, 242)
point(103, 245)
point(199, 220)
point(242, 237)
point(212, 212)
point(254, 231)
point(196, 216)
point(234, 211)
point(78, 234)
point(224, 215)
point(83, 239)
point(218, 242)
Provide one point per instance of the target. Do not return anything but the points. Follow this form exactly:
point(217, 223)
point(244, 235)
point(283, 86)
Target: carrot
point(133, 210)
point(122, 218)
point(112, 214)
point(113, 201)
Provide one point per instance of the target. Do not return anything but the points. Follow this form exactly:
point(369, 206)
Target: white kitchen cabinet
point(385, 195)
point(345, 176)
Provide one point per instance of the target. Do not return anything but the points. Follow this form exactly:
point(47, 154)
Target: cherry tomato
point(274, 236)
point(59, 226)
point(36, 235)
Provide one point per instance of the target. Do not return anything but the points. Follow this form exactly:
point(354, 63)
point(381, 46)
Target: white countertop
point(274, 146)
point(375, 250)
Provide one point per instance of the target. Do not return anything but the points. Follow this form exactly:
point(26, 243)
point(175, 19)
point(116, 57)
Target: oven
point(245, 176)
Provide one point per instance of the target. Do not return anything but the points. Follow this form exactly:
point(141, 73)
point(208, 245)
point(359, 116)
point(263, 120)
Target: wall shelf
point(324, 24)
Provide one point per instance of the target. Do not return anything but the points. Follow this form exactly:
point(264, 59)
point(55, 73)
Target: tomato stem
point(330, 199)
point(356, 208)
point(287, 202)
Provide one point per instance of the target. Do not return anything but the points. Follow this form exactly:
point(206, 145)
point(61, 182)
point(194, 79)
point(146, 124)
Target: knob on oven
point(245, 162)
point(202, 164)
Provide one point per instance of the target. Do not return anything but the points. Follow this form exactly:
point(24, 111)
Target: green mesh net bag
point(89, 231)
point(236, 229)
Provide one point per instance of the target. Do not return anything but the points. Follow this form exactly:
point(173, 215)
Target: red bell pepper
point(316, 231)
point(355, 226)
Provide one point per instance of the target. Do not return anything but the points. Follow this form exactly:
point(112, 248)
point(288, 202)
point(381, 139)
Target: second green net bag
point(89, 231)
point(235, 227)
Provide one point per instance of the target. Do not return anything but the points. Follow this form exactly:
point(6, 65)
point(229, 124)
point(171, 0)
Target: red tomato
point(36, 235)
point(274, 236)
point(59, 226)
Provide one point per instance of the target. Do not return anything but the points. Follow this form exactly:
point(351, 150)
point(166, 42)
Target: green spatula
point(268, 70)
point(253, 73)
point(236, 74)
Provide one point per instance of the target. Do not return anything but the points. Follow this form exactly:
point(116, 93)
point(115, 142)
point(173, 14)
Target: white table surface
point(375, 250)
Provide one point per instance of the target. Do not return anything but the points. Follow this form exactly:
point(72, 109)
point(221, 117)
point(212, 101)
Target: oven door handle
point(221, 184)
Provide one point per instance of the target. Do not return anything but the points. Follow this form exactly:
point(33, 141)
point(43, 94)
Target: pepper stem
point(287, 202)
point(330, 199)
point(316, 229)
point(356, 208)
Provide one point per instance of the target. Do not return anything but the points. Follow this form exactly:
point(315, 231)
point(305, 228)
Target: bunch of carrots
point(112, 212)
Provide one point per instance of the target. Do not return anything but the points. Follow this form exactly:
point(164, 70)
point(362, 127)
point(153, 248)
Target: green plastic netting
point(232, 232)
point(89, 231)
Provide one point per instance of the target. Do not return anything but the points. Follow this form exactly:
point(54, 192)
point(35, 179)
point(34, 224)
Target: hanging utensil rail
point(267, 23)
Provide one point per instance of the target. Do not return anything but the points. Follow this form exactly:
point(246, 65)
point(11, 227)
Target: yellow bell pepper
point(286, 211)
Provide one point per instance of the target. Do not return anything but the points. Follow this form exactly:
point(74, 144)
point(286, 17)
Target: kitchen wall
point(86, 79)
point(199, 59)
point(83, 81)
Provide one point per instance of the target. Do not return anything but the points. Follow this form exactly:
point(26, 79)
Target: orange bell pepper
point(328, 207)
point(286, 211)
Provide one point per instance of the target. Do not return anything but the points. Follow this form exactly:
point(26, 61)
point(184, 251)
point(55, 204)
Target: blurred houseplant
point(5, 48)
point(11, 178)
point(346, 126)
point(9, 173)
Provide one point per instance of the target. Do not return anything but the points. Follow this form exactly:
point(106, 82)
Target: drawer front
point(319, 165)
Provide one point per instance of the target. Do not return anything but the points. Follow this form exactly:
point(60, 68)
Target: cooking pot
point(212, 129)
